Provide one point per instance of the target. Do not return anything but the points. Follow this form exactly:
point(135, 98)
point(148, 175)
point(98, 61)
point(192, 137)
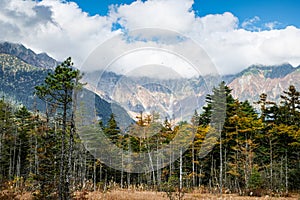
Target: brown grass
point(149, 195)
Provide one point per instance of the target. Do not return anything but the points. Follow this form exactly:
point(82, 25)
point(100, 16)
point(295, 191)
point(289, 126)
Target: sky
point(283, 12)
point(231, 34)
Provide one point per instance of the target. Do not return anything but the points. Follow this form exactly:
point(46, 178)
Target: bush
point(171, 188)
point(255, 180)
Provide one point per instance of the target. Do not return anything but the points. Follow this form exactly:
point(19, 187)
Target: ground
point(149, 195)
point(145, 195)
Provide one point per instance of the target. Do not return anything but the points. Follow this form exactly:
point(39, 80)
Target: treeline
point(255, 153)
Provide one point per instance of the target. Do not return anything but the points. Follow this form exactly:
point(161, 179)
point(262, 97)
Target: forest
point(257, 152)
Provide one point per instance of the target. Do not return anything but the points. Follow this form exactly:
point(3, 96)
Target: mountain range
point(41, 60)
point(272, 80)
point(21, 70)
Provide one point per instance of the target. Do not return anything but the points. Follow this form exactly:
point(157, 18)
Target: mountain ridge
point(271, 71)
point(41, 60)
point(175, 98)
point(17, 85)
point(248, 86)
point(140, 93)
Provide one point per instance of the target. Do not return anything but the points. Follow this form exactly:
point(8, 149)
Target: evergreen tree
point(58, 91)
point(6, 140)
point(112, 130)
point(24, 124)
point(291, 103)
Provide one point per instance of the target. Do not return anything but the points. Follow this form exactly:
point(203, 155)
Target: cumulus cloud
point(174, 15)
point(62, 29)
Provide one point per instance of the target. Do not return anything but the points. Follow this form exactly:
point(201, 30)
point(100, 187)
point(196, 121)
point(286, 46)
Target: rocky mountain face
point(272, 80)
point(41, 60)
point(178, 98)
point(18, 79)
point(21, 69)
point(175, 99)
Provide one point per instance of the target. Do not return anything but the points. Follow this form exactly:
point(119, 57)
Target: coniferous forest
point(257, 154)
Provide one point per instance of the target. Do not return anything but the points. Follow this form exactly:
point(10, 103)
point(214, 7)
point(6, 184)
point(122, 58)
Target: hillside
point(41, 60)
point(178, 98)
point(18, 79)
point(22, 69)
point(272, 80)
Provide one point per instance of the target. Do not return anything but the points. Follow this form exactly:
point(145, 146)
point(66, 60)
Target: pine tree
point(58, 91)
point(215, 115)
point(23, 120)
point(291, 101)
point(6, 140)
point(112, 130)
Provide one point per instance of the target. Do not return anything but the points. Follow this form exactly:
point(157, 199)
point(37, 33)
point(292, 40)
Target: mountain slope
point(128, 96)
point(18, 79)
point(272, 80)
point(178, 98)
point(41, 60)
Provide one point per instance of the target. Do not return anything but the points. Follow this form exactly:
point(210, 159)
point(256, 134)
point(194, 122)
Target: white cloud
point(169, 14)
point(219, 23)
point(63, 29)
point(271, 25)
point(60, 29)
point(249, 24)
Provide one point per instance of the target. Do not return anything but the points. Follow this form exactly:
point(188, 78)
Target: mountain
point(41, 60)
point(18, 79)
point(178, 98)
point(257, 79)
point(175, 99)
point(127, 96)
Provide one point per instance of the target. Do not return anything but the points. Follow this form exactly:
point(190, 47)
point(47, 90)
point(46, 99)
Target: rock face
point(21, 69)
point(178, 98)
point(18, 79)
point(38, 60)
point(250, 83)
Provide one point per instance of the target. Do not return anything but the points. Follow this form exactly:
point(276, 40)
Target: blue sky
point(285, 12)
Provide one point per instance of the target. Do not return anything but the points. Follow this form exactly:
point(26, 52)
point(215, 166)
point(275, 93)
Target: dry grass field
point(149, 195)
